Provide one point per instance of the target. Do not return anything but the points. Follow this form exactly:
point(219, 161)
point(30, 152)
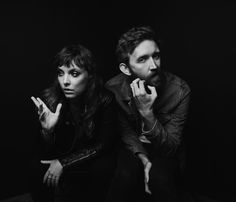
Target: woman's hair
point(83, 58)
point(131, 39)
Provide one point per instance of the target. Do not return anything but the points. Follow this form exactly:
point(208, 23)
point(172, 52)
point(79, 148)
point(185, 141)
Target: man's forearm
point(149, 119)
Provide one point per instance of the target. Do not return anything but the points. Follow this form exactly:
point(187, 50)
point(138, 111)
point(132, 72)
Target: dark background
point(198, 44)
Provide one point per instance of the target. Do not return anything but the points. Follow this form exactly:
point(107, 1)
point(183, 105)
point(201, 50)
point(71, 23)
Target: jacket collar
point(122, 84)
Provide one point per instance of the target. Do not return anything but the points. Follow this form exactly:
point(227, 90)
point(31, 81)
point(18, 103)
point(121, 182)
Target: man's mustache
point(155, 72)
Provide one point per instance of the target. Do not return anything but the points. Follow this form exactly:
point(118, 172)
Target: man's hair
point(131, 39)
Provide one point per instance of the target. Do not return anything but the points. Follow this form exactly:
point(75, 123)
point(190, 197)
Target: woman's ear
point(125, 69)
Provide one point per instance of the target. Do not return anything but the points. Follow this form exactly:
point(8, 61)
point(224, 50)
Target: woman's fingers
point(42, 103)
point(45, 177)
point(35, 101)
point(58, 109)
point(39, 100)
point(40, 109)
point(56, 181)
point(49, 179)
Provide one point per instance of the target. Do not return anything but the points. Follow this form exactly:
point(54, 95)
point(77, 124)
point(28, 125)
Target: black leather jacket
point(72, 145)
point(170, 109)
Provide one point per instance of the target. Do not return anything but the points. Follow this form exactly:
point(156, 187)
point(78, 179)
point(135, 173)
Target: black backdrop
point(198, 44)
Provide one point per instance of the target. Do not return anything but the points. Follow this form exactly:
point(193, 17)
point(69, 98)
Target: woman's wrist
point(46, 131)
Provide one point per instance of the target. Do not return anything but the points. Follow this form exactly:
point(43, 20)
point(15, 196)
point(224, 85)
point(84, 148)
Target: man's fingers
point(146, 177)
point(147, 190)
point(147, 170)
point(136, 87)
point(153, 90)
point(132, 88)
point(141, 88)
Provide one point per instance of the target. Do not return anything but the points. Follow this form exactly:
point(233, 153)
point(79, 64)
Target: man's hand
point(47, 118)
point(147, 167)
point(144, 101)
point(52, 176)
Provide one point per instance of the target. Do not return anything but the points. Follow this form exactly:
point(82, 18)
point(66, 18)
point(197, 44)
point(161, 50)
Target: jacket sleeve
point(129, 136)
point(168, 136)
point(105, 136)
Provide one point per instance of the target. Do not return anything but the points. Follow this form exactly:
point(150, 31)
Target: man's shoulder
point(116, 80)
point(174, 81)
point(119, 86)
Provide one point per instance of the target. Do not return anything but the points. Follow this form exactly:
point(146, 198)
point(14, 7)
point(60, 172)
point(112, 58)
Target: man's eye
point(141, 60)
point(156, 56)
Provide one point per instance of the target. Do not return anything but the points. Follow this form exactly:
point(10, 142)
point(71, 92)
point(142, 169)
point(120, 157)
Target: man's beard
point(155, 80)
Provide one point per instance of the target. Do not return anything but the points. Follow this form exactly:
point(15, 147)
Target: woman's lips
point(68, 91)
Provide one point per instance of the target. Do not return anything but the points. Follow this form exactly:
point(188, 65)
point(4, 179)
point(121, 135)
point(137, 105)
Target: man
point(153, 109)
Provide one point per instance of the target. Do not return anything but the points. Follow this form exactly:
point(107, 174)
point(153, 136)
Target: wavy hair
point(131, 39)
point(83, 58)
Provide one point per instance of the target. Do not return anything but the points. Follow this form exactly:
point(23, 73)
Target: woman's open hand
point(47, 118)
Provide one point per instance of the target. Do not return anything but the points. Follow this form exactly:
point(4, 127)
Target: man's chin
point(155, 82)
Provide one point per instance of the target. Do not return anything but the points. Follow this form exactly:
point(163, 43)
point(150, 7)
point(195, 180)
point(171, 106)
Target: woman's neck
point(76, 103)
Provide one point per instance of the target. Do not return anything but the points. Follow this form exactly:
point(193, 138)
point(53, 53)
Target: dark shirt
point(170, 109)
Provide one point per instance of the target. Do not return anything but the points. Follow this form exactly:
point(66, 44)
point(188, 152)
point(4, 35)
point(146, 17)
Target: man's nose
point(153, 65)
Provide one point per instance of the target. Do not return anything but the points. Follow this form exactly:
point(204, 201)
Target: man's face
point(145, 62)
point(73, 80)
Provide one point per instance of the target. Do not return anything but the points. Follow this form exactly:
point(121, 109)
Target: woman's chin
point(69, 96)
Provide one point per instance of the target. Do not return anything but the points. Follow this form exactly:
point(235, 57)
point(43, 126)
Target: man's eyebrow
point(142, 56)
point(156, 52)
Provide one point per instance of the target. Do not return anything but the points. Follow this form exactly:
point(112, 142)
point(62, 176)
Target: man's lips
point(154, 76)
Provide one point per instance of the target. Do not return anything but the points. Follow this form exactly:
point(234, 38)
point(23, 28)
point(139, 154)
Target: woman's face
point(73, 80)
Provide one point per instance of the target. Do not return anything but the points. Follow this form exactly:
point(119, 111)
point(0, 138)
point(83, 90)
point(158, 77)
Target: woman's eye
point(60, 73)
point(75, 73)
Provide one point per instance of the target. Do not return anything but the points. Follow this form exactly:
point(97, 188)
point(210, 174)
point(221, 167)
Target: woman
point(77, 118)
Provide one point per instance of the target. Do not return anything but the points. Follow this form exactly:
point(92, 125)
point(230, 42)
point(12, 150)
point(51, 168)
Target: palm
point(47, 118)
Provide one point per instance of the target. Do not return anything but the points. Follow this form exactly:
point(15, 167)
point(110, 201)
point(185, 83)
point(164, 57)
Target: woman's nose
point(66, 80)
